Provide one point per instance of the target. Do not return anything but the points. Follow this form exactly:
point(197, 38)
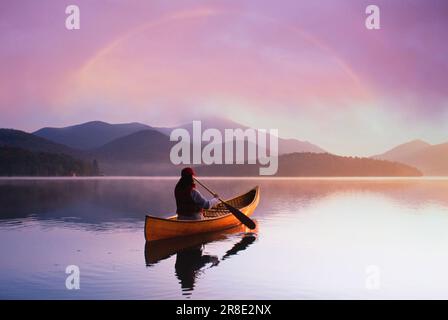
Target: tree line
point(21, 162)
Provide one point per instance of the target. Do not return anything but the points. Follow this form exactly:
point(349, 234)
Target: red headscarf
point(186, 179)
point(187, 172)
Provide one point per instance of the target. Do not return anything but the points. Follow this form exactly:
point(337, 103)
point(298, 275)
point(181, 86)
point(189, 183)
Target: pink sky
point(309, 68)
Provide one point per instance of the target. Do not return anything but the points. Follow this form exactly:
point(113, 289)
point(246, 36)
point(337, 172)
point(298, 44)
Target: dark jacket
point(184, 201)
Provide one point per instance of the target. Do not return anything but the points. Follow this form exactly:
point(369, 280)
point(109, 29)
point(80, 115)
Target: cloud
point(309, 68)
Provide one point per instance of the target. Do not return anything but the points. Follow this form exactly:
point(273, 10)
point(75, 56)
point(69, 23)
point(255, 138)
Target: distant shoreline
point(226, 178)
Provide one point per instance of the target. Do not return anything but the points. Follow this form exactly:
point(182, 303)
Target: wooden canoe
point(156, 251)
point(218, 218)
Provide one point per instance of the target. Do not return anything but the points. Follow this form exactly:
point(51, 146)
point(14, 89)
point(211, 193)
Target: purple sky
point(309, 68)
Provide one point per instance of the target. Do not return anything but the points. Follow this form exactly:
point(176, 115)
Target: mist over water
point(316, 238)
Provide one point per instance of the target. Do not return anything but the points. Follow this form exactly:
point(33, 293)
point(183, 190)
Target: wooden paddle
point(248, 222)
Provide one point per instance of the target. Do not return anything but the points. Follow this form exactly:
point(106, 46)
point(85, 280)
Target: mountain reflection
point(191, 260)
point(97, 204)
point(101, 204)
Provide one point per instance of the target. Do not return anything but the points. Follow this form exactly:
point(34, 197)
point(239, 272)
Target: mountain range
point(125, 148)
point(432, 160)
point(89, 135)
point(140, 149)
point(31, 142)
point(94, 134)
point(284, 145)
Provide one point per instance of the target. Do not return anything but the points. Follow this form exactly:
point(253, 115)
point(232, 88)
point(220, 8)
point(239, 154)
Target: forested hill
point(318, 165)
point(21, 162)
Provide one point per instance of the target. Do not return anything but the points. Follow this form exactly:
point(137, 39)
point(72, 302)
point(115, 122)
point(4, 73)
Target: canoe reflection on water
point(190, 258)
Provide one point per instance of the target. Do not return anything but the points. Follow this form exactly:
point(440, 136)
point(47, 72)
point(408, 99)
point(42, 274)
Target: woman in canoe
point(189, 201)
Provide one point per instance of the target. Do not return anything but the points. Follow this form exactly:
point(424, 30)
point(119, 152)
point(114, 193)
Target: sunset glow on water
point(316, 238)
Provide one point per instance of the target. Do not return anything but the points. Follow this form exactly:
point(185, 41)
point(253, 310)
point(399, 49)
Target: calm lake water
point(347, 238)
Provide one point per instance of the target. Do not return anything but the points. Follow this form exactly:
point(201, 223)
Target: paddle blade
point(248, 222)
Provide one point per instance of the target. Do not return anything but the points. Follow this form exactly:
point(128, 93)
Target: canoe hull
point(156, 251)
point(159, 228)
